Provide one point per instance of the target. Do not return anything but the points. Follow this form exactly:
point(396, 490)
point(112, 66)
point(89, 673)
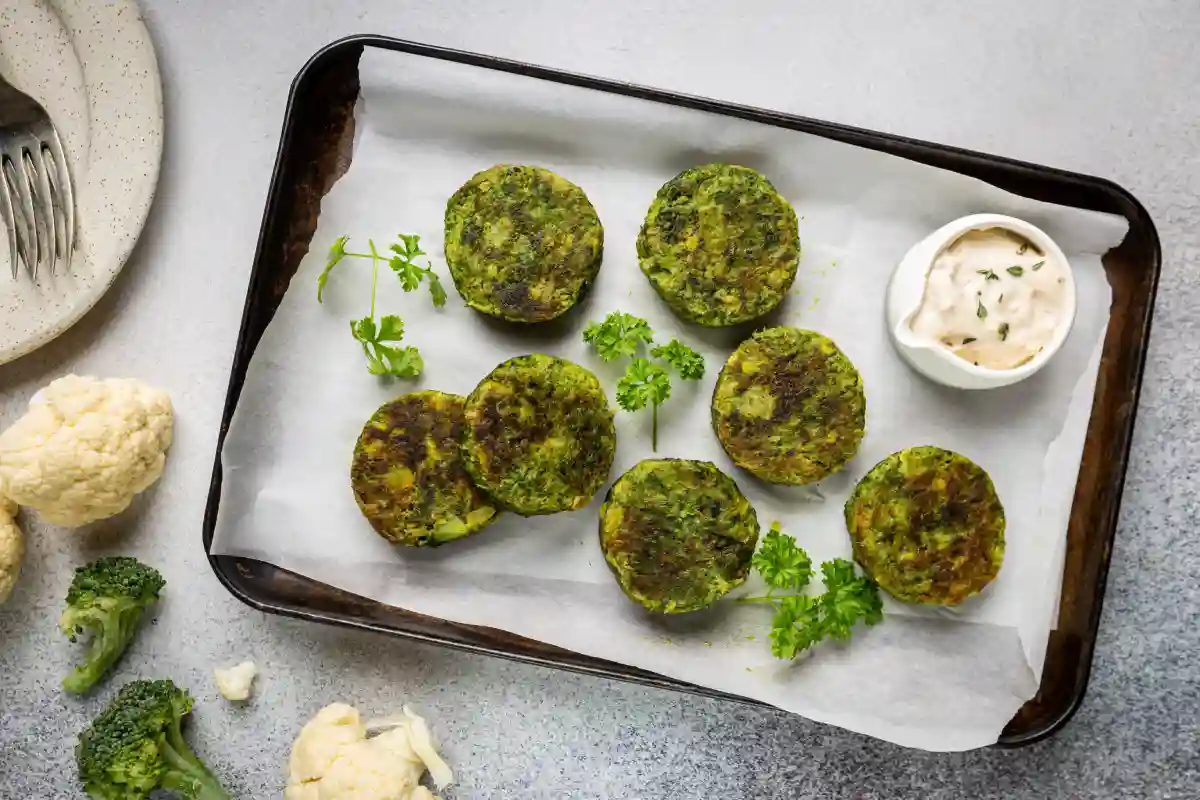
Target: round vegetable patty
point(789, 406)
point(408, 476)
point(720, 245)
point(522, 243)
point(927, 525)
point(677, 534)
point(539, 435)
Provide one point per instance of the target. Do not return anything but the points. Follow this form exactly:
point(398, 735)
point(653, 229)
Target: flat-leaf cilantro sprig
point(645, 383)
point(380, 338)
point(802, 620)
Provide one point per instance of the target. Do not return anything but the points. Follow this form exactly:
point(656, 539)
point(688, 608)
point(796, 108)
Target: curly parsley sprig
point(619, 335)
point(644, 383)
point(379, 339)
point(802, 621)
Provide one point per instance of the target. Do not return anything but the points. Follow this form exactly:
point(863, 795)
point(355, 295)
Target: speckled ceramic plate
point(91, 64)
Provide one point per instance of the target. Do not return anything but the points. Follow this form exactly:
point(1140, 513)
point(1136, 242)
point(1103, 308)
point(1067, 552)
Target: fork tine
point(47, 251)
point(10, 224)
point(24, 236)
point(66, 191)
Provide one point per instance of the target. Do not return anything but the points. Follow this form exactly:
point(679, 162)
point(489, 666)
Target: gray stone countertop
point(1104, 87)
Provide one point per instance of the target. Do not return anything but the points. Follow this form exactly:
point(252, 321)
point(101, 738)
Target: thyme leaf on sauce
point(1038, 266)
point(980, 311)
point(968, 340)
point(1021, 250)
point(1016, 272)
point(988, 274)
point(1003, 331)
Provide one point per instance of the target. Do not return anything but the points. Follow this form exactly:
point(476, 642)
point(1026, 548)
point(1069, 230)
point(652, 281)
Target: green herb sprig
point(801, 620)
point(380, 339)
point(618, 336)
point(410, 273)
point(644, 383)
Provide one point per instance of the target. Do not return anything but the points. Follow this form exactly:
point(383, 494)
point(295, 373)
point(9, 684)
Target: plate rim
point(123, 20)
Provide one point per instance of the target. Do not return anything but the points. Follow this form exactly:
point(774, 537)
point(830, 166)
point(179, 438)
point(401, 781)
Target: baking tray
point(315, 150)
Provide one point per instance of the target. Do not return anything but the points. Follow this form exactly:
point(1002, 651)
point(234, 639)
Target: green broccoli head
point(106, 598)
point(136, 747)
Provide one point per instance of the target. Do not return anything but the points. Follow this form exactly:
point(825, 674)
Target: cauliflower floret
point(85, 448)
point(321, 738)
point(234, 682)
point(333, 759)
point(12, 548)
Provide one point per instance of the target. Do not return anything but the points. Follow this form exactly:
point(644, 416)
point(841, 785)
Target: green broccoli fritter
point(522, 243)
point(927, 526)
point(789, 407)
point(539, 435)
point(677, 534)
point(135, 748)
point(106, 600)
point(408, 475)
point(720, 245)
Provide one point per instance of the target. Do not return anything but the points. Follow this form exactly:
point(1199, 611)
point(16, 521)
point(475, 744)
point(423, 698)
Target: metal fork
point(37, 200)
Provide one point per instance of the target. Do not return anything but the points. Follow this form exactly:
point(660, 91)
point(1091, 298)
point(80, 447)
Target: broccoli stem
point(111, 634)
point(186, 774)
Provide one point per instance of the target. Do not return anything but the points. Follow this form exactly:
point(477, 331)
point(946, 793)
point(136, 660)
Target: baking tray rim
point(1134, 211)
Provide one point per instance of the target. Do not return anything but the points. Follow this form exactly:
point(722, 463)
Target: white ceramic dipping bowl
point(906, 289)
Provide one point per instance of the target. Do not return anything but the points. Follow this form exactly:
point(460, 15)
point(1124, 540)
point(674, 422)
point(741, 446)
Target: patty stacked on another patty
point(408, 476)
point(539, 435)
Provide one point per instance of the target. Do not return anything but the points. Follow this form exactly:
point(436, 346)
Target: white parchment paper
point(935, 680)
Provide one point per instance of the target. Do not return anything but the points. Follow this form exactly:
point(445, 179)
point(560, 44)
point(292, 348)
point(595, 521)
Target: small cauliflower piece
point(234, 682)
point(320, 740)
point(86, 448)
point(12, 548)
point(333, 759)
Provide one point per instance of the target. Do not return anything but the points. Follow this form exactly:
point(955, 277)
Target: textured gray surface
point(1103, 87)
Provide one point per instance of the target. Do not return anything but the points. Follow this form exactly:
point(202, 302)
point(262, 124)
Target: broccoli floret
point(136, 747)
point(107, 598)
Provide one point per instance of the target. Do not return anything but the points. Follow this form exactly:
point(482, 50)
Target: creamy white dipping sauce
point(993, 299)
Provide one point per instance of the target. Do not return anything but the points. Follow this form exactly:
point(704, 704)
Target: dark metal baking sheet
point(315, 150)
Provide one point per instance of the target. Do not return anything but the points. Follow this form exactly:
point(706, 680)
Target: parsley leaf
point(410, 273)
point(379, 339)
point(782, 564)
point(644, 383)
point(337, 251)
point(619, 335)
point(797, 626)
point(847, 599)
point(801, 620)
point(686, 361)
point(383, 358)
